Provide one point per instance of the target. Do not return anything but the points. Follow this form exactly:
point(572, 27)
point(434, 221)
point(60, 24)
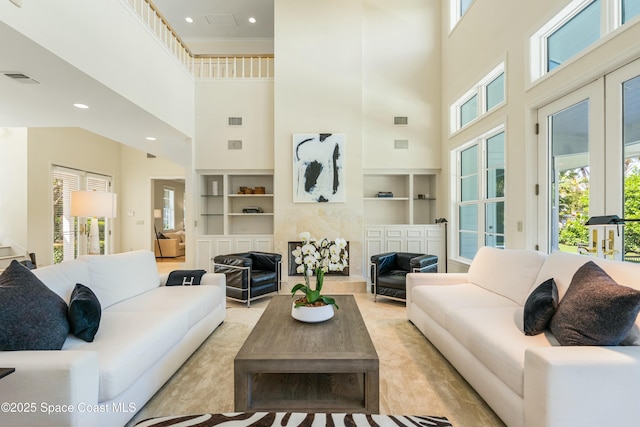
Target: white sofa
point(147, 331)
point(475, 320)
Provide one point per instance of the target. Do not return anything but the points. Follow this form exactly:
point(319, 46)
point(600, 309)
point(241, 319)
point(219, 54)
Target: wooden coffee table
point(287, 365)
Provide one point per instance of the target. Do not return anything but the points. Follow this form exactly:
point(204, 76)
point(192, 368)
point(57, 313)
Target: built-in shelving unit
point(235, 214)
point(413, 200)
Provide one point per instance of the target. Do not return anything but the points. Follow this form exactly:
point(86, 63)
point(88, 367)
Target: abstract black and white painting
point(318, 167)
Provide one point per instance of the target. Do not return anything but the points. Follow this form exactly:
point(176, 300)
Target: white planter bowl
point(312, 314)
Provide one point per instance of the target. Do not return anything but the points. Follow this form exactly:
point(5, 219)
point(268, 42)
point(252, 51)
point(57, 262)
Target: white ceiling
point(218, 19)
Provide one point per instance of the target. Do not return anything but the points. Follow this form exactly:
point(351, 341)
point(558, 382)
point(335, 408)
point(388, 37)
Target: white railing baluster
point(199, 67)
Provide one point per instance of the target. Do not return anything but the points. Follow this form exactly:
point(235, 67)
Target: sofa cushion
point(540, 307)
point(595, 310)
point(62, 278)
point(32, 316)
point(440, 301)
point(494, 336)
point(508, 272)
point(84, 313)
point(115, 278)
point(196, 301)
point(128, 344)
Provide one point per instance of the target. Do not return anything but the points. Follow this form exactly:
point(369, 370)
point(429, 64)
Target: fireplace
point(293, 266)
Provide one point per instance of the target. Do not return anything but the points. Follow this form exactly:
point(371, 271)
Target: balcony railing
point(201, 66)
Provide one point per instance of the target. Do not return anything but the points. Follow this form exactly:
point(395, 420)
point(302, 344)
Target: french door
point(70, 234)
point(589, 144)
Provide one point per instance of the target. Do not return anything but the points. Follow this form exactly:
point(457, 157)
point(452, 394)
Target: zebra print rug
point(295, 419)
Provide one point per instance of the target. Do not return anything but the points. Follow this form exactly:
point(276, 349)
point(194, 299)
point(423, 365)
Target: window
point(572, 31)
point(486, 95)
point(458, 8)
point(580, 32)
point(480, 193)
point(70, 234)
point(168, 208)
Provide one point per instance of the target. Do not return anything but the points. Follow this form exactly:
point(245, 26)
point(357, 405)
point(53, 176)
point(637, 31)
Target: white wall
point(13, 187)
point(401, 77)
point(73, 148)
point(216, 101)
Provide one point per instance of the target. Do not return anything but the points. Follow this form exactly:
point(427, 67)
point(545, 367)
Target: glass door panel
point(623, 158)
point(573, 144)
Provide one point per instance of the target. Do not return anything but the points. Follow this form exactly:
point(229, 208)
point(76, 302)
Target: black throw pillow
point(595, 309)
point(32, 316)
point(540, 307)
point(84, 313)
point(185, 277)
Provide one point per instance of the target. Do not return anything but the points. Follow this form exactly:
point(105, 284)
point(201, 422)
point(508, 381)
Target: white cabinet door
point(263, 244)
point(203, 254)
point(243, 244)
point(395, 239)
point(415, 240)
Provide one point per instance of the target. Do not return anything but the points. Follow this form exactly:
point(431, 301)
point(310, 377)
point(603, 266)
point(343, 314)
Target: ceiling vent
point(221, 20)
point(235, 121)
point(234, 144)
point(401, 120)
point(21, 78)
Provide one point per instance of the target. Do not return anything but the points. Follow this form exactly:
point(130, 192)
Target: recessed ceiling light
point(189, 19)
point(150, 138)
point(81, 106)
point(252, 20)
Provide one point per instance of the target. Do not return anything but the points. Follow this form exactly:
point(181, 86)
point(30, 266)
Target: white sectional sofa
point(147, 331)
point(475, 320)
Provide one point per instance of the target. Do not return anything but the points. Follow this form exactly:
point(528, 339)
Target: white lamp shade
point(157, 213)
point(97, 204)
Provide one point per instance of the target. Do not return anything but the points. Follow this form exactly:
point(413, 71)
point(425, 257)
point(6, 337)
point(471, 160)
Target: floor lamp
point(94, 205)
point(157, 214)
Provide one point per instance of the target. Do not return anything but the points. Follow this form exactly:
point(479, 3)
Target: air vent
point(150, 156)
point(21, 78)
point(221, 20)
point(234, 144)
point(235, 121)
point(401, 144)
point(401, 120)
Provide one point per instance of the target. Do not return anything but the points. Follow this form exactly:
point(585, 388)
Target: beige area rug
point(414, 378)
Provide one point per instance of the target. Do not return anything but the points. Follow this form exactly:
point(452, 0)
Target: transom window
point(577, 27)
point(458, 8)
point(486, 95)
point(480, 198)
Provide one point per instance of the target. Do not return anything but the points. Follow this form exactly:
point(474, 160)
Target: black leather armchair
point(389, 271)
point(250, 275)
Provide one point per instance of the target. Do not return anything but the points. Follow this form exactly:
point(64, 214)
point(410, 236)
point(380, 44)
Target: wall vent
point(235, 121)
point(150, 156)
point(21, 78)
point(401, 144)
point(401, 120)
point(234, 144)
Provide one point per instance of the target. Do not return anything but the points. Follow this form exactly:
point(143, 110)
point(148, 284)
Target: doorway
point(167, 219)
point(589, 141)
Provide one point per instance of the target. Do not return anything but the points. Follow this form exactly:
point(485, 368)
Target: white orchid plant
point(319, 257)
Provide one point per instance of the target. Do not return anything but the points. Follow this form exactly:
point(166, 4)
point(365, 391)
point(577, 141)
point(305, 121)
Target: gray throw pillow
point(595, 309)
point(32, 316)
point(540, 307)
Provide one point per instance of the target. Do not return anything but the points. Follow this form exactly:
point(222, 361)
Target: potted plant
point(317, 257)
